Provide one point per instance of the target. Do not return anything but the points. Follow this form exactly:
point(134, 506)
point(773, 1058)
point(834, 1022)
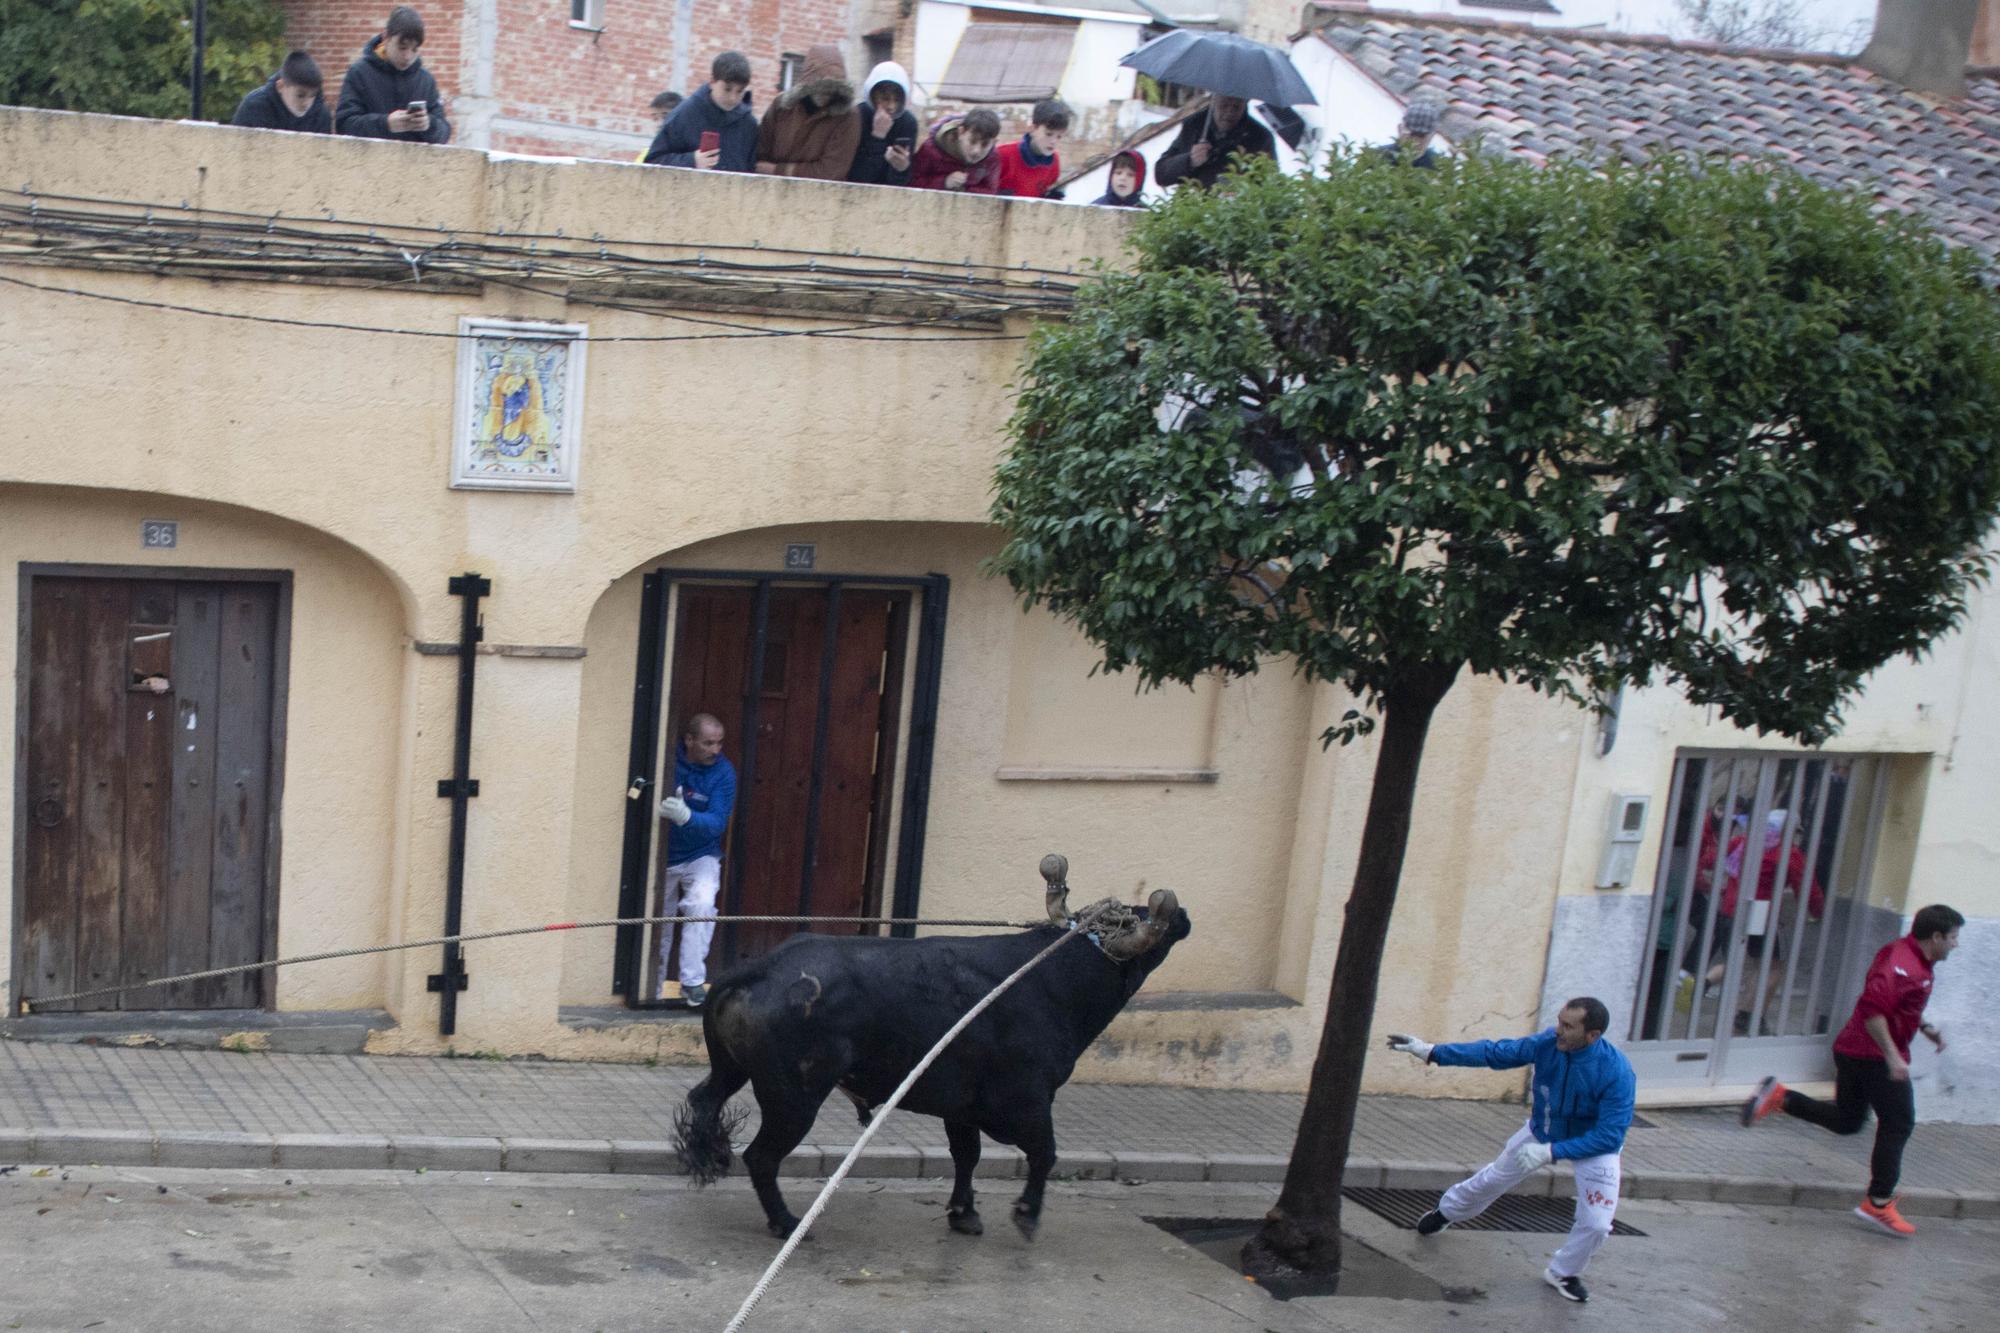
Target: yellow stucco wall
point(324, 452)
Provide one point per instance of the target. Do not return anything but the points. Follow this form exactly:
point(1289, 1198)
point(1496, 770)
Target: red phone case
point(711, 140)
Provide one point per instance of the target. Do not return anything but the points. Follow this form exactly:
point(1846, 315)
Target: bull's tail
point(704, 1126)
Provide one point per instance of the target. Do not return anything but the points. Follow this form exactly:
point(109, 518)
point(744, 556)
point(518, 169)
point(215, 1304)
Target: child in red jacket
point(1029, 169)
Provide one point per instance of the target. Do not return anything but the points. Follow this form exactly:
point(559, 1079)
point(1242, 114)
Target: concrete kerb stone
point(574, 1155)
point(1977, 1204)
point(1676, 1185)
point(888, 1161)
point(1753, 1189)
point(216, 1149)
point(443, 1152)
point(1236, 1168)
point(94, 1147)
point(1929, 1203)
point(809, 1161)
point(1159, 1166)
point(1086, 1165)
point(341, 1152)
point(1424, 1176)
point(643, 1157)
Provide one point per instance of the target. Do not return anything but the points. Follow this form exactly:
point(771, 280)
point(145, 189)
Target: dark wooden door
point(714, 641)
point(148, 788)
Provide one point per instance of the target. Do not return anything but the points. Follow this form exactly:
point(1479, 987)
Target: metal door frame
point(1705, 1061)
point(646, 755)
point(281, 672)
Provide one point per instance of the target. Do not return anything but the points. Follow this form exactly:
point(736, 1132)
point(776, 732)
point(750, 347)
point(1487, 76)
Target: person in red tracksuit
point(1871, 1060)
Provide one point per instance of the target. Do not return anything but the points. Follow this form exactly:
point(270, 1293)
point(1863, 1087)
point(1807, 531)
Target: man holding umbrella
point(1201, 151)
point(1235, 69)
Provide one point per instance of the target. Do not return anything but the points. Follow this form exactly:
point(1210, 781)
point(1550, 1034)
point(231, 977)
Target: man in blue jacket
point(698, 811)
point(1582, 1107)
point(719, 108)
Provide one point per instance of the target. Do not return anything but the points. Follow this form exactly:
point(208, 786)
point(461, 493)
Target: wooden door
point(148, 788)
point(714, 642)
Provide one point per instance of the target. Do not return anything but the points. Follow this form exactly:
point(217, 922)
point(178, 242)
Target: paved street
point(160, 1249)
point(70, 1103)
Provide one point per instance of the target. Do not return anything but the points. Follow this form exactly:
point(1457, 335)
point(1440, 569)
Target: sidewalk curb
point(374, 1152)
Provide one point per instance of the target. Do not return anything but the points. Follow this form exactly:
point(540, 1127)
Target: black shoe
point(1572, 1288)
point(1432, 1222)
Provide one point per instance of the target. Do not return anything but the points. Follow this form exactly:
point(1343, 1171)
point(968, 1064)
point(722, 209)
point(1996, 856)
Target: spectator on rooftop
point(1030, 169)
point(811, 130)
point(388, 94)
point(888, 128)
point(291, 100)
point(714, 129)
point(959, 155)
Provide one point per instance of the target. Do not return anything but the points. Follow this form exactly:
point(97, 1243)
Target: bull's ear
point(1055, 869)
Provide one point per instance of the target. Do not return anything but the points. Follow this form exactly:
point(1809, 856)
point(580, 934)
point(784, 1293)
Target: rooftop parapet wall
point(713, 416)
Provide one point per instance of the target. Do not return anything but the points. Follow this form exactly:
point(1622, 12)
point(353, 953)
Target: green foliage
point(134, 57)
point(1566, 426)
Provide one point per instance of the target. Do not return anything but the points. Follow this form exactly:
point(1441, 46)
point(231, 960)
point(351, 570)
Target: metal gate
point(1759, 918)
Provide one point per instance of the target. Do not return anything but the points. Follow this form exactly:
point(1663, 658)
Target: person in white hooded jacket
point(888, 128)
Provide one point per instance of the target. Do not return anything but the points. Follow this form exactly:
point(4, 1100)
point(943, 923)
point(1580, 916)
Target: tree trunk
point(1302, 1233)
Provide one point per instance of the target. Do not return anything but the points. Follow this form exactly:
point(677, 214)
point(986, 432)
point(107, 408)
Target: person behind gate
point(1584, 1089)
point(698, 815)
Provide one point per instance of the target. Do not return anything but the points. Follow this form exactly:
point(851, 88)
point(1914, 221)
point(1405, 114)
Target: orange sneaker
point(1884, 1216)
point(1767, 1100)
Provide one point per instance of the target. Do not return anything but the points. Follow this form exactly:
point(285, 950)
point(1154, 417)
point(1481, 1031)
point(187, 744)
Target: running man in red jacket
point(1871, 1060)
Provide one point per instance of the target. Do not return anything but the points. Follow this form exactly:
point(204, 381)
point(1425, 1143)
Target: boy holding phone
point(388, 94)
point(714, 129)
point(888, 130)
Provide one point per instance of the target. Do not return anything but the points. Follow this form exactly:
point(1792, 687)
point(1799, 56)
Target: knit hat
point(1421, 118)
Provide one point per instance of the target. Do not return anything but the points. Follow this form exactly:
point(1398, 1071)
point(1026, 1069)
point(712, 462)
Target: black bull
point(824, 1012)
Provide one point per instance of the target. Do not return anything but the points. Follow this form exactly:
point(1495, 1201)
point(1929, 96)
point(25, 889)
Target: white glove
point(1533, 1156)
point(1410, 1046)
point(674, 808)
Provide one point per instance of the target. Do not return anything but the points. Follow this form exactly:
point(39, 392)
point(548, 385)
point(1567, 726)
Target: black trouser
point(1861, 1085)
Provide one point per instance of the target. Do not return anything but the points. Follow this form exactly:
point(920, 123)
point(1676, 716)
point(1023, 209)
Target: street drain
point(1510, 1212)
point(1364, 1270)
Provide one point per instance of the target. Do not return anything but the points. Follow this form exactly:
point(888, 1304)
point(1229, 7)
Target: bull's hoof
point(1026, 1222)
point(966, 1223)
point(783, 1227)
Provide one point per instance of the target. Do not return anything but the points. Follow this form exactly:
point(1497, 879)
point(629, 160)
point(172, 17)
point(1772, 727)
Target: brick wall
point(553, 75)
point(333, 31)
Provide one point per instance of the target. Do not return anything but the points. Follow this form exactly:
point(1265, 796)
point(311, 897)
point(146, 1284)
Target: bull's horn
point(1160, 911)
point(1055, 869)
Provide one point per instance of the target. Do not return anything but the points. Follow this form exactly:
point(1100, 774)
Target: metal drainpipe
point(459, 788)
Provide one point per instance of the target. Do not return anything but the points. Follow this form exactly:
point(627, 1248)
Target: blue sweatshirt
point(711, 795)
point(1583, 1099)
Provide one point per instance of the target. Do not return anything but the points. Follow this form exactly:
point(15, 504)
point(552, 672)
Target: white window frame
point(587, 15)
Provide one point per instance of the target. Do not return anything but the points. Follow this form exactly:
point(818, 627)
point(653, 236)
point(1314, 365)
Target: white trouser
point(1596, 1200)
point(690, 891)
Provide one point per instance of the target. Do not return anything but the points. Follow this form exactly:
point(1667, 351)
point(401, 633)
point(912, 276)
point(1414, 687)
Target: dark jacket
point(1582, 1099)
point(810, 131)
point(1247, 137)
point(871, 165)
point(262, 109)
point(1136, 199)
point(374, 88)
point(711, 795)
point(1394, 152)
point(680, 136)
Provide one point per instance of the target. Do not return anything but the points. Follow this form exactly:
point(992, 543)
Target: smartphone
point(416, 106)
point(711, 140)
point(901, 143)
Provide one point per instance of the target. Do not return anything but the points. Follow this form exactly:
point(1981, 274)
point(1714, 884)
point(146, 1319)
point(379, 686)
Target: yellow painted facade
point(324, 452)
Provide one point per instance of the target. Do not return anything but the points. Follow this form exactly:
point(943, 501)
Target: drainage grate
point(1510, 1212)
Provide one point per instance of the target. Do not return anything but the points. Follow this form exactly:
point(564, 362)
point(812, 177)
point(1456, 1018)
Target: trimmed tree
point(1570, 427)
point(135, 57)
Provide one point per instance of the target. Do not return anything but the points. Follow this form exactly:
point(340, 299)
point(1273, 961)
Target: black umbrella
point(1223, 63)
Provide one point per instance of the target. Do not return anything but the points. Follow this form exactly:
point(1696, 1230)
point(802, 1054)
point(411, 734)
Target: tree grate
point(1510, 1212)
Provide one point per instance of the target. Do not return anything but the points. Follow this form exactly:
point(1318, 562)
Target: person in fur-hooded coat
point(812, 130)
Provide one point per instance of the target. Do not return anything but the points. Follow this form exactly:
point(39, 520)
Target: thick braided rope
point(880, 1114)
point(43, 1001)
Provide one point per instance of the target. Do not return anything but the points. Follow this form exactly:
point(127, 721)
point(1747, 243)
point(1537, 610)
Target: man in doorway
point(698, 815)
point(1584, 1091)
point(1871, 1061)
